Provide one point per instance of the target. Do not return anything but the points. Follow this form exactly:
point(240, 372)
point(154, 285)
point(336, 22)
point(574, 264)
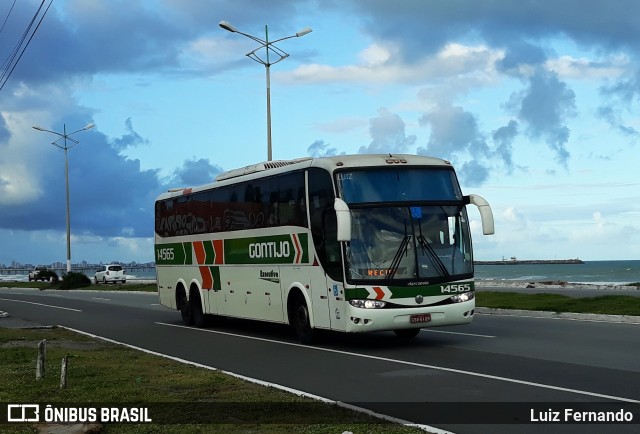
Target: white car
point(39, 273)
point(110, 273)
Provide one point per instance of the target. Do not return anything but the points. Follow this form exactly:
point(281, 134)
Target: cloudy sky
point(535, 103)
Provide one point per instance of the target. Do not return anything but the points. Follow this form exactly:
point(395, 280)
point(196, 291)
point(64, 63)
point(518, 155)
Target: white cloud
point(568, 67)
point(212, 52)
point(381, 64)
point(17, 186)
point(512, 215)
point(376, 55)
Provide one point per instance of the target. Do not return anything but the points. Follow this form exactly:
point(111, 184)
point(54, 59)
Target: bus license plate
point(423, 317)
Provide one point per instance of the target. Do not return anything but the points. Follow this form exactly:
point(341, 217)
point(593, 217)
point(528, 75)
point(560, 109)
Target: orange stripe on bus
point(379, 292)
point(218, 248)
point(207, 279)
point(198, 248)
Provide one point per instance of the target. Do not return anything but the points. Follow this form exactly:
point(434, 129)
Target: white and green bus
point(351, 243)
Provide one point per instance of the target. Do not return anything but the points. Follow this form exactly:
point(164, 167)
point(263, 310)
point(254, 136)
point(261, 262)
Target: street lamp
point(269, 47)
point(64, 136)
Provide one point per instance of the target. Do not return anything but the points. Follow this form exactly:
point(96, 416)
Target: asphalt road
point(490, 375)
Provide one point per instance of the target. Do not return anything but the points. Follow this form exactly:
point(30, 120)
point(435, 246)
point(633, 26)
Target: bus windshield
point(408, 224)
point(406, 184)
point(409, 243)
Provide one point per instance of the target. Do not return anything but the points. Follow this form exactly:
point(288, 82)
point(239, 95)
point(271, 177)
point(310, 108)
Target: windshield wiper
point(404, 245)
point(402, 250)
point(426, 247)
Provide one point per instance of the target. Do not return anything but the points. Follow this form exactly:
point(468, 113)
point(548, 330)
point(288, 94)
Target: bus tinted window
point(398, 185)
point(266, 202)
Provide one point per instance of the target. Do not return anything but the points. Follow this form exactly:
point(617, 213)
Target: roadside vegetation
point(606, 304)
point(102, 374)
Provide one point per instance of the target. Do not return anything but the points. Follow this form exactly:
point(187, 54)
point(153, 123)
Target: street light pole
point(64, 136)
point(269, 47)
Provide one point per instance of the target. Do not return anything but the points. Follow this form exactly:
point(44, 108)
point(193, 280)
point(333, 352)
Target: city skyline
point(77, 265)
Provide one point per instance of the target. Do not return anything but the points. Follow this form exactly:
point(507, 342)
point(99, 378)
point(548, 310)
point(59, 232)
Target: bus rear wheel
point(199, 318)
point(301, 322)
point(185, 310)
point(407, 333)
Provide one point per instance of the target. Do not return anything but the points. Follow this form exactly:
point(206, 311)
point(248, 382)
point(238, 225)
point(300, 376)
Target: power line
point(11, 62)
point(7, 17)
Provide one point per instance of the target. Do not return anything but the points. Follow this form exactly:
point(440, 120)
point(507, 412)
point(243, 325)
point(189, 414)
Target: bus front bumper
point(369, 320)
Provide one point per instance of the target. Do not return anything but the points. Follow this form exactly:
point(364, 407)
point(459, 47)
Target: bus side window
point(287, 207)
point(322, 219)
point(332, 263)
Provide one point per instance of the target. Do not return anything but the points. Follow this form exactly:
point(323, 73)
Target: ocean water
point(592, 272)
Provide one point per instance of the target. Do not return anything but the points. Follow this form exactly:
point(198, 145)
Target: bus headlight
point(368, 304)
point(465, 296)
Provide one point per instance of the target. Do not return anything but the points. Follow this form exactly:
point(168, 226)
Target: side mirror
point(486, 215)
point(343, 215)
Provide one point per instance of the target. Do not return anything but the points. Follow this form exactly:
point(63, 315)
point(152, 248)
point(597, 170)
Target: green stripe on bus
point(188, 253)
point(450, 288)
point(173, 254)
point(215, 273)
point(210, 254)
point(275, 249)
point(355, 293)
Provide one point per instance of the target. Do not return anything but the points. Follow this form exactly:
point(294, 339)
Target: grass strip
point(100, 373)
point(606, 304)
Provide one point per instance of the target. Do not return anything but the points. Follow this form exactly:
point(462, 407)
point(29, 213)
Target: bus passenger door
point(336, 304)
point(332, 263)
point(320, 297)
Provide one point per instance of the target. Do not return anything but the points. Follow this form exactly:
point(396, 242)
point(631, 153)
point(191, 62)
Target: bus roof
point(341, 162)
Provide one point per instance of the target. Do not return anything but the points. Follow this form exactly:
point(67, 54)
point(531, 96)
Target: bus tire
point(197, 315)
point(301, 322)
point(407, 333)
point(185, 310)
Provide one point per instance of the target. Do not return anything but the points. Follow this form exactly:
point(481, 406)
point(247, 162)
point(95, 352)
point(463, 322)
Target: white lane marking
point(458, 333)
point(100, 298)
point(41, 304)
point(301, 393)
point(419, 365)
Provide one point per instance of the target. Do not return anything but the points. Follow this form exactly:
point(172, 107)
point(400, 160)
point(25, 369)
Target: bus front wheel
point(407, 333)
point(301, 322)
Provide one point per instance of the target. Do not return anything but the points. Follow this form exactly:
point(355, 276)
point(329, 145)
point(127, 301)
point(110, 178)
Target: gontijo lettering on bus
point(274, 249)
